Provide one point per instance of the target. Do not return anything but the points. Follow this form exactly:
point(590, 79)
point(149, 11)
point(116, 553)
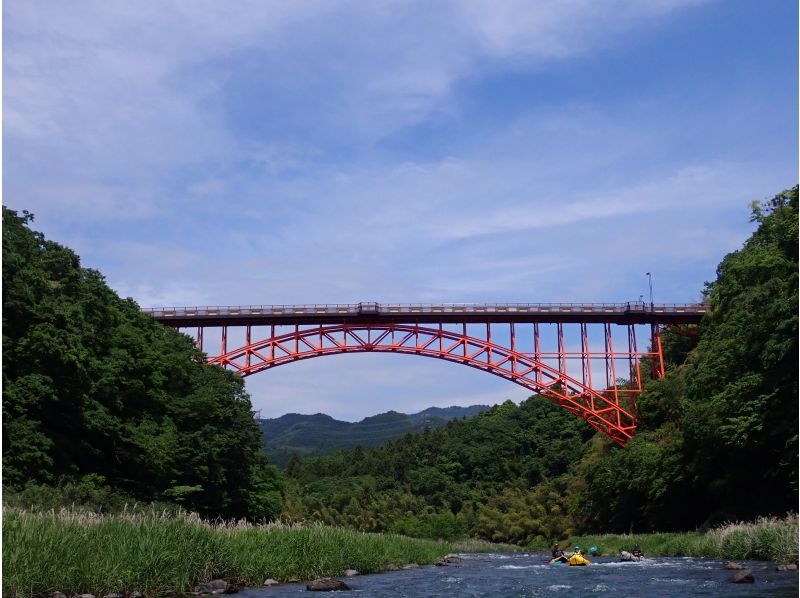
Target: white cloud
point(558, 29)
point(138, 92)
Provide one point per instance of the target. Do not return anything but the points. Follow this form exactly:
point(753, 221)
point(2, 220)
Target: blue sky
point(234, 153)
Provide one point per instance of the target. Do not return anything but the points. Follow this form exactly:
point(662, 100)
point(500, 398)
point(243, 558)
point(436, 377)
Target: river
point(527, 575)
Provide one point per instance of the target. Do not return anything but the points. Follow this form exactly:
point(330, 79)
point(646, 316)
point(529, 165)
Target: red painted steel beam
point(600, 408)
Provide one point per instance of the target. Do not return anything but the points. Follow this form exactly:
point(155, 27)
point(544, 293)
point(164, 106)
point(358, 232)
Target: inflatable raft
point(577, 560)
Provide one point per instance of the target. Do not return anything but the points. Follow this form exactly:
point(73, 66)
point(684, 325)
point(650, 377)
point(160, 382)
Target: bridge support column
point(611, 369)
point(658, 355)
point(636, 373)
point(247, 343)
point(586, 357)
point(513, 335)
point(537, 351)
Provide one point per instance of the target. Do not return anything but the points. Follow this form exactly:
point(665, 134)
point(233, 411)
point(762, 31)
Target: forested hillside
point(472, 477)
point(98, 398)
point(319, 434)
point(717, 438)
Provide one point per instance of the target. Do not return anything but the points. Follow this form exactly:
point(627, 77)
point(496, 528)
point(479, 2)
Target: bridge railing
point(427, 308)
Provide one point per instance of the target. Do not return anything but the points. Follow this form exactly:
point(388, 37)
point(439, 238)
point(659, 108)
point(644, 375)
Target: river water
point(527, 575)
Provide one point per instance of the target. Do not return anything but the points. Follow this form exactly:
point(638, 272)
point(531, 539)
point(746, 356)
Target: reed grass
point(767, 538)
point(158, 553)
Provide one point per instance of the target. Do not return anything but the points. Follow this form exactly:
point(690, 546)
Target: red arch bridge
point(587, 358)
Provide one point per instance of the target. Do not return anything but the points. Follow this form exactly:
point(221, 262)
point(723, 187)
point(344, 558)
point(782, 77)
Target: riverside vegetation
point(103, 407)
point(767, 539)
point(156, 553)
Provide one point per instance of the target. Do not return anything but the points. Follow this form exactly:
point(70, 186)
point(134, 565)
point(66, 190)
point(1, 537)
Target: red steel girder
point(604, 409)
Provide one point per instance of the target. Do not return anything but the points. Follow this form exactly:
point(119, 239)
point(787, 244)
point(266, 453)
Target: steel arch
point(601, 409)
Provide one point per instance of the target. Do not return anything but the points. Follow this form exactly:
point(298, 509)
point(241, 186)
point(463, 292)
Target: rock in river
point(326, 584)
point(731, 565)
point(743, 576)
point(447, 560)
point(271, 582)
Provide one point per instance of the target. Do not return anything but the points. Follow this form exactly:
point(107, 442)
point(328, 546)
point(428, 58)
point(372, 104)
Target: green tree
point(741, 419)
point(92, 386)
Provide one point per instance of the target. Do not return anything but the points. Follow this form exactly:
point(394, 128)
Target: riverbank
point(766, 539)
point(156, 553)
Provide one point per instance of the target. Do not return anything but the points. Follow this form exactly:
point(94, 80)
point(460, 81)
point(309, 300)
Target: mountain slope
point(320, 434)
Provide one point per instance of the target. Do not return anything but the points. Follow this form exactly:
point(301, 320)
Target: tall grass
point(158, 553)
point(768, 539)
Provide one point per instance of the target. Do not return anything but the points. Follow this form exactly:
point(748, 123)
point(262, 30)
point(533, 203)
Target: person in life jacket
point(577, 557)
point(558, 554)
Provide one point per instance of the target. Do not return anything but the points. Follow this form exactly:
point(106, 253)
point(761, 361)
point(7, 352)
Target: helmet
point(577, 548)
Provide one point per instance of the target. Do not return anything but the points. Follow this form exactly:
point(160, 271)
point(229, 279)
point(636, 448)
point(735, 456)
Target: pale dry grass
point(158, 552)
point(767, 538)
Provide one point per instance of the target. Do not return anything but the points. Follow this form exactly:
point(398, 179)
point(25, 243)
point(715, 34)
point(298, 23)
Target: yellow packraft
point(578, 560)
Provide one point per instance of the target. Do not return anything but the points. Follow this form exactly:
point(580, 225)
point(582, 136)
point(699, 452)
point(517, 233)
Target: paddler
point(577, 557)
point(558, 554)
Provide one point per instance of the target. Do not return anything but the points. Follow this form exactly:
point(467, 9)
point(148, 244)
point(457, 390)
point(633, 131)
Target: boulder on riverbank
point(392, 567)
point(791, 567)
point(271, 582)
point(743, 576)
point(215, 587)
point(326, 584)
point(732, 565)
point(351, 573)
point(410, 566)
point(450, 559)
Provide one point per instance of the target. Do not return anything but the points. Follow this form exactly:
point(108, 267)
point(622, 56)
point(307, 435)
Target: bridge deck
point(259, 315)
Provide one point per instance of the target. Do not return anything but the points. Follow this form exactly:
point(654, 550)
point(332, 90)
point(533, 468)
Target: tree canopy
point(93, 387)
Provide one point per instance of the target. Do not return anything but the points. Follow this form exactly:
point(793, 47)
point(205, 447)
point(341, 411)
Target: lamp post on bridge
point(650, 282)
point(641, 300)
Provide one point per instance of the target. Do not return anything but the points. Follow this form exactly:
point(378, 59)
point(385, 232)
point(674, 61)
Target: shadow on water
point(528, 575)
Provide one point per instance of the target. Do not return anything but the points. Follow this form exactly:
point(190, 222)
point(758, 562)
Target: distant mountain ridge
point(320, 434)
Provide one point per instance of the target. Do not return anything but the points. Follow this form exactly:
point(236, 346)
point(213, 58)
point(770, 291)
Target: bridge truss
point(586, 358)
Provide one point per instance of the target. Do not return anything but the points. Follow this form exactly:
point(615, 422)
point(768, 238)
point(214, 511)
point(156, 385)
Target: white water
point(527, 575)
